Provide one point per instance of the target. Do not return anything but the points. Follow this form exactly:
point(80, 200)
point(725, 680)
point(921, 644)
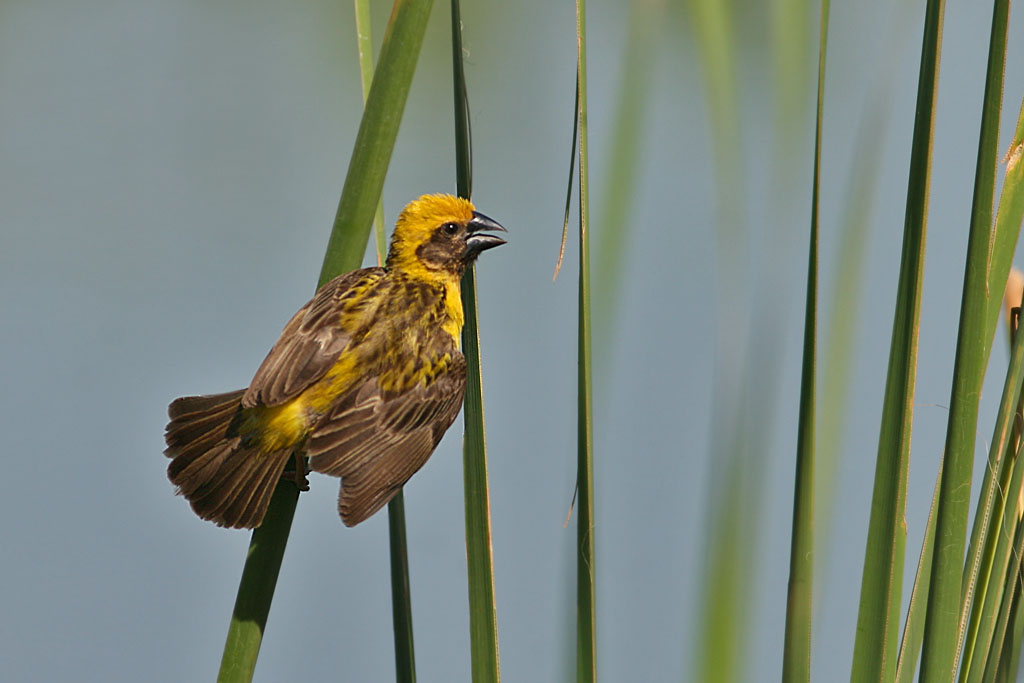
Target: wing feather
point(309, 344)
point(376, 442)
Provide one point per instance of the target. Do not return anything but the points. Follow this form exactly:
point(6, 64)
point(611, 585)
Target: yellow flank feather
point(283, 426)
point(288, 424)
point(456, 316)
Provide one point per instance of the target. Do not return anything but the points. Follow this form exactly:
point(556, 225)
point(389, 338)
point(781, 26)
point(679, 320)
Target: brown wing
point(375, 443)
point(309, 344)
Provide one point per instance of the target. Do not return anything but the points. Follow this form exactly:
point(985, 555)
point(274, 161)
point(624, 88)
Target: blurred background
point(169, 172)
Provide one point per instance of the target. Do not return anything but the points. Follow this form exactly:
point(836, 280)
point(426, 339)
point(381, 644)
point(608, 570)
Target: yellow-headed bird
point(364, 381)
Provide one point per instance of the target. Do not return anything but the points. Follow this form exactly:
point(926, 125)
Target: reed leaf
point(943, 621)
point(875, 647)
point(1006, 230)
point(375, 140)
point(483, 616)
point(989, 648)
point(345, 249)
point(401, 596)
point(913, 628)
point(1005, 235)
point(364, 41)
point(586, 649)
point(256, 588)
point(991, 501)
point(796, 654)
point(1004, 654)
point(985, 645)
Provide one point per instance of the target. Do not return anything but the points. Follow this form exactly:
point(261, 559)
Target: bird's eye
point(450, 228)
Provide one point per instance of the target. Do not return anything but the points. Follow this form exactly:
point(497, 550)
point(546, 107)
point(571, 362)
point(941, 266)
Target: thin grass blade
point(256, 588)
point(991, 503)
point(586, 648)
point(572, 175)
point(1006, 232)
point(913, 628)
point(1006, 666)
point(943, 622)
point(401, 596)
point(796, 654)
point(1007, 224)
point(985, 567)
point(483, 615)
point(483, 619)
point(345, 250)
point(876, 644)
point(364, 41)
point(985, 647)
point(1000, 601)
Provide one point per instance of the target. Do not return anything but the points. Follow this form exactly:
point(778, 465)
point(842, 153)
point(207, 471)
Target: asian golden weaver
point(364, 381)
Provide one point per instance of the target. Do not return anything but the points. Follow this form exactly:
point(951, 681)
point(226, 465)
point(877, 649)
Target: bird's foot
point(298, 475)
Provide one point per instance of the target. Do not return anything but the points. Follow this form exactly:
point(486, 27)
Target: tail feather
point(192, 429)
point(224, 481)
point(252, 503)
point(189, 406)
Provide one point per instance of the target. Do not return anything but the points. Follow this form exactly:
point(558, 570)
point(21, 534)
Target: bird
point(362, 384)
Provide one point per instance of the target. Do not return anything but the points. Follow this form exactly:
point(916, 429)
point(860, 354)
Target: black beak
point(476, 240)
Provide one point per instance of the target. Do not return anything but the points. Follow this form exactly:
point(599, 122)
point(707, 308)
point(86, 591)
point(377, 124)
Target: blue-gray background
point(169, 172)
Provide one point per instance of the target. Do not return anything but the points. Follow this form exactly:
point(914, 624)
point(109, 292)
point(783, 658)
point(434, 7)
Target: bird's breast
point(455, 317)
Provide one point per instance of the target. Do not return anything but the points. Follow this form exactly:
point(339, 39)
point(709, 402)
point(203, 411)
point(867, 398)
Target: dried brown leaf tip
point(1013, 155)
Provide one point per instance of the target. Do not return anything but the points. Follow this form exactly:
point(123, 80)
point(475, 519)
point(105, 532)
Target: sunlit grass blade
point(796, 655)
point(364, 41)
point(976, 597)
point(1009, 664)
point(401, 599)
point(378, 129)
point(978, 590)
point(1004, 655)
point(989, 646)
point(483, 616)
point(345, 250)
point(875, 647)
point(256, 588)
point(913, 628)
point(1007, 224)
point(1005, 235)
point(943, 623)
point(993, 604)
point(586, 648)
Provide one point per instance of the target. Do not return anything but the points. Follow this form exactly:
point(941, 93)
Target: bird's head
point(437, 235)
